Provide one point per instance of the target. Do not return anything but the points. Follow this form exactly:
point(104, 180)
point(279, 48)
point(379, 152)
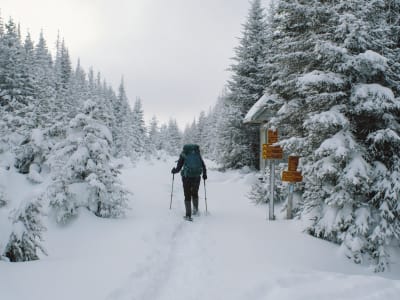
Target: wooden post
point(292, 176)
point(272, 189)
point(289, 214)
point(263, 140)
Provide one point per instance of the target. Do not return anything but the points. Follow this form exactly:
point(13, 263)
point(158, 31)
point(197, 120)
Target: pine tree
point(174, 138)
point(340, 101)
point(84, 159)
point(12, 82)
point(154, 136)
point(45, 108)
point(123, 133)
point(245, 88)
point(139, 128)
point(26, 236)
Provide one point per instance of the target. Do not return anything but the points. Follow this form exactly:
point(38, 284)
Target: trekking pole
point(205, 193)
point(172, 190)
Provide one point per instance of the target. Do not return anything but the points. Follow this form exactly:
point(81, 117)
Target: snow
point(318, 77)
point(233, 252)
point(373, 98)
point(375, 60)
point(261, 104)
point(326, 119)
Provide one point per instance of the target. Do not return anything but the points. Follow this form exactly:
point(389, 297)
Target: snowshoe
point(187, 218)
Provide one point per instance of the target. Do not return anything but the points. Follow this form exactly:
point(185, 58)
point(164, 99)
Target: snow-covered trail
point(153, 254)
point(234, 252)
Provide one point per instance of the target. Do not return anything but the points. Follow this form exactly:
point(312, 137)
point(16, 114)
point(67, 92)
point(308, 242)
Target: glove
point(173, 171)
point(204, 176)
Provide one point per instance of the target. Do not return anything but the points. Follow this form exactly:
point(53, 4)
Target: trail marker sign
point(272, 136)
point(269, 151)
point(292, 176)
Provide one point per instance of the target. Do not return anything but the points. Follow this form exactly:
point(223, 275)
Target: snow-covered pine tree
point(14, 93)
point(154, 136)
point(45, 92)
point(26, 236)
point(139, 129)
point(245, 87)
point(189, 133)
point(174, 138)
point(336, 82)
point(215, 127)
point(83, 162)
point(375, 111)
point(123, 132)
point(228, 148)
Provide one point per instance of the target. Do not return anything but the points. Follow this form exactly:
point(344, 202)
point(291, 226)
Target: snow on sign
point(292, 175)
point(269, 151)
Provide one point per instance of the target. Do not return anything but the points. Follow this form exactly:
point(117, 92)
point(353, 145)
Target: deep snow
point(233, 252)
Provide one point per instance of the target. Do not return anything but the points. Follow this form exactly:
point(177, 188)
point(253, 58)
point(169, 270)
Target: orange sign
point(272, 136)
point(293, 163)
point(269, 151)
point(292, 176)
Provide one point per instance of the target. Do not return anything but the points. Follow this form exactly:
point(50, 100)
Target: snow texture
point(232, 252)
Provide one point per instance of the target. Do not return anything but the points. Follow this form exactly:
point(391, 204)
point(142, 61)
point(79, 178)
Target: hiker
point(193, 166)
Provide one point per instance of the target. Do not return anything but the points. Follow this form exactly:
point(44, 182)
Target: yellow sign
point(269, 151)
point(272, 152)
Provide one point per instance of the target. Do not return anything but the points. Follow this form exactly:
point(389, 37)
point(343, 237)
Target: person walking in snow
point(192, 165)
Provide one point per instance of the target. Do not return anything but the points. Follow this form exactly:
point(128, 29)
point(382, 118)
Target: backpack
point(193, 166)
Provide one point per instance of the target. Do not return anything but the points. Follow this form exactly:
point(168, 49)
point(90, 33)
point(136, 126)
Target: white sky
point(173, 54)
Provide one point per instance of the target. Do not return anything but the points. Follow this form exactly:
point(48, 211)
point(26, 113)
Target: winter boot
point(188, 218)
point(188, 207)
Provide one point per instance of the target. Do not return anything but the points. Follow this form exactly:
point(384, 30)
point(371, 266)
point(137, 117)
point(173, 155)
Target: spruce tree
point(154, 136)
point(123, 132)
point(139, 128)
point(26, 236)
point(83, 158)
point(13, 90)
point(45, 108)
point(338, 85)
point(245, 87)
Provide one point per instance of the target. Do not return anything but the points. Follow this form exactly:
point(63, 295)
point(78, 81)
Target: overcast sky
point(173, 54)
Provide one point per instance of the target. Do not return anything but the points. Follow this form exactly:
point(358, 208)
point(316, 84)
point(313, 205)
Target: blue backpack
point(193, 166)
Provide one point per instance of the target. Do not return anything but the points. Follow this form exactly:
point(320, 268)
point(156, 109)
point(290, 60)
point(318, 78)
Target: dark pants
point(191, 190)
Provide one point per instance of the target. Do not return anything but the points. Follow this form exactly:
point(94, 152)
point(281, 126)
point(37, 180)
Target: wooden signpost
point(271, 153)
point(292, 176)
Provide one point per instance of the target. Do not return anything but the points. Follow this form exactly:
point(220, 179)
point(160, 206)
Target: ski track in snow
point(221, 256)
point(153, 254)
